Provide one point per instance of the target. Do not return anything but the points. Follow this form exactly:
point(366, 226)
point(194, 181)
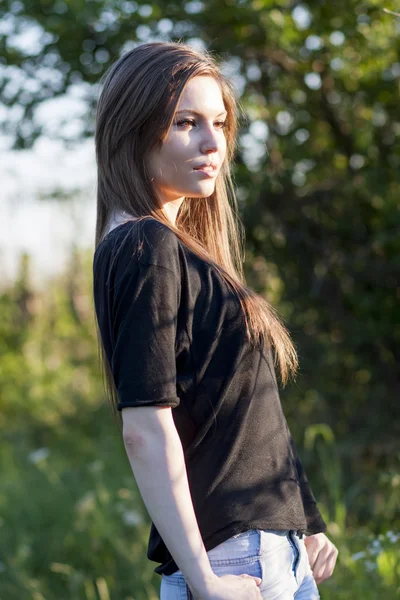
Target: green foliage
point(72, 522)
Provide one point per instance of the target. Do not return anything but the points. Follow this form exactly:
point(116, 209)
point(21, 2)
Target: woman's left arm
point(322, 555)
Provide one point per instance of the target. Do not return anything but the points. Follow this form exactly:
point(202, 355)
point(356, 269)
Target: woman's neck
point(117, 218)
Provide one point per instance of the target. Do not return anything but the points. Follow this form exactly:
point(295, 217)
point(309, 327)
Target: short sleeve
point(143, 362)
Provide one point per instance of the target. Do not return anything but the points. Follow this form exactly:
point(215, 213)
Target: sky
point(32, 220)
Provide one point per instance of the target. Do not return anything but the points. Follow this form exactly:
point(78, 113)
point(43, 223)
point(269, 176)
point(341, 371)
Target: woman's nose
point(209, 142)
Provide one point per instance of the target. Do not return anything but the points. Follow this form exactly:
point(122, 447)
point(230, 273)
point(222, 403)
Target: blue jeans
point(279, 558)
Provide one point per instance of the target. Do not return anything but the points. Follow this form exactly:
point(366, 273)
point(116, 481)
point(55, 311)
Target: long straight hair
point(139, 96)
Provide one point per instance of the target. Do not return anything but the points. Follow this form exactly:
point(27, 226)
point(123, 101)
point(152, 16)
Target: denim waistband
point(253, 542)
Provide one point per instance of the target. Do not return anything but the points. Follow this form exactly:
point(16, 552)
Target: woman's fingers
point(322, 555)
point(313, 546)
point(256, 580)
point(325, 564)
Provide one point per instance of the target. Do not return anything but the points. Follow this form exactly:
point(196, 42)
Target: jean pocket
point(237, 566)
point(250, 566)
point(277, 568)
point(173, 587)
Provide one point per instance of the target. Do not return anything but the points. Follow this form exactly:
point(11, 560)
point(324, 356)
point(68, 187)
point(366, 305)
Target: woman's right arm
point(156, 456)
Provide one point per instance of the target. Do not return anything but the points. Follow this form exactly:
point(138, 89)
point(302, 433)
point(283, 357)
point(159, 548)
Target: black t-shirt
point(174, 334)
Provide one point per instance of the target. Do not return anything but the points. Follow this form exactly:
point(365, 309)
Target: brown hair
point(140, 94)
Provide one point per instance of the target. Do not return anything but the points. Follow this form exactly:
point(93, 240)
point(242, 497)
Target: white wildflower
point(131, 517)
point(358, 555)
point(38, 455)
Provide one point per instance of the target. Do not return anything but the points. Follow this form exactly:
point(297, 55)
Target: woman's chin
point(201, 191)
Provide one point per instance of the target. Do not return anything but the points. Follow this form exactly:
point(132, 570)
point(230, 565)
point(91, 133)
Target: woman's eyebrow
point(197, 113)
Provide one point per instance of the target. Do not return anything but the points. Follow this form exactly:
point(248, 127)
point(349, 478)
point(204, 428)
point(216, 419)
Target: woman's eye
point(185, 122)
point(221, 124)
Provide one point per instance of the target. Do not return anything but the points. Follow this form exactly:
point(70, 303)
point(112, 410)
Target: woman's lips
point(210, 171)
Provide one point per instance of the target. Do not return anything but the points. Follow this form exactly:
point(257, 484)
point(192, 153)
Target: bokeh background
point(318, 184)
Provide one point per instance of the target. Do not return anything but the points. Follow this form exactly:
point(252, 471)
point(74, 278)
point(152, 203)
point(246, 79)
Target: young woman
point(189, 352)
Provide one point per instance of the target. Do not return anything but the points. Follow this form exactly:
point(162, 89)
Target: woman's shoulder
point(145, 241)
point(156, 233)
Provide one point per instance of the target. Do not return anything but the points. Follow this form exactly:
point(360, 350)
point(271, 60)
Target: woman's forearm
point(157, 461)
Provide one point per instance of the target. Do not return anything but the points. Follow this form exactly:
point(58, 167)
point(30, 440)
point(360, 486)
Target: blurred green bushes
point(72, 522)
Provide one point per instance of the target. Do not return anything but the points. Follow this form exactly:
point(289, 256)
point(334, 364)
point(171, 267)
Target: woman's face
point(196, 137)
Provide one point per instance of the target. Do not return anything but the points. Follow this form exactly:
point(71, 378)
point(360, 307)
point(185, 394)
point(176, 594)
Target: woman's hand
point(233, 587)
point(322, 555)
